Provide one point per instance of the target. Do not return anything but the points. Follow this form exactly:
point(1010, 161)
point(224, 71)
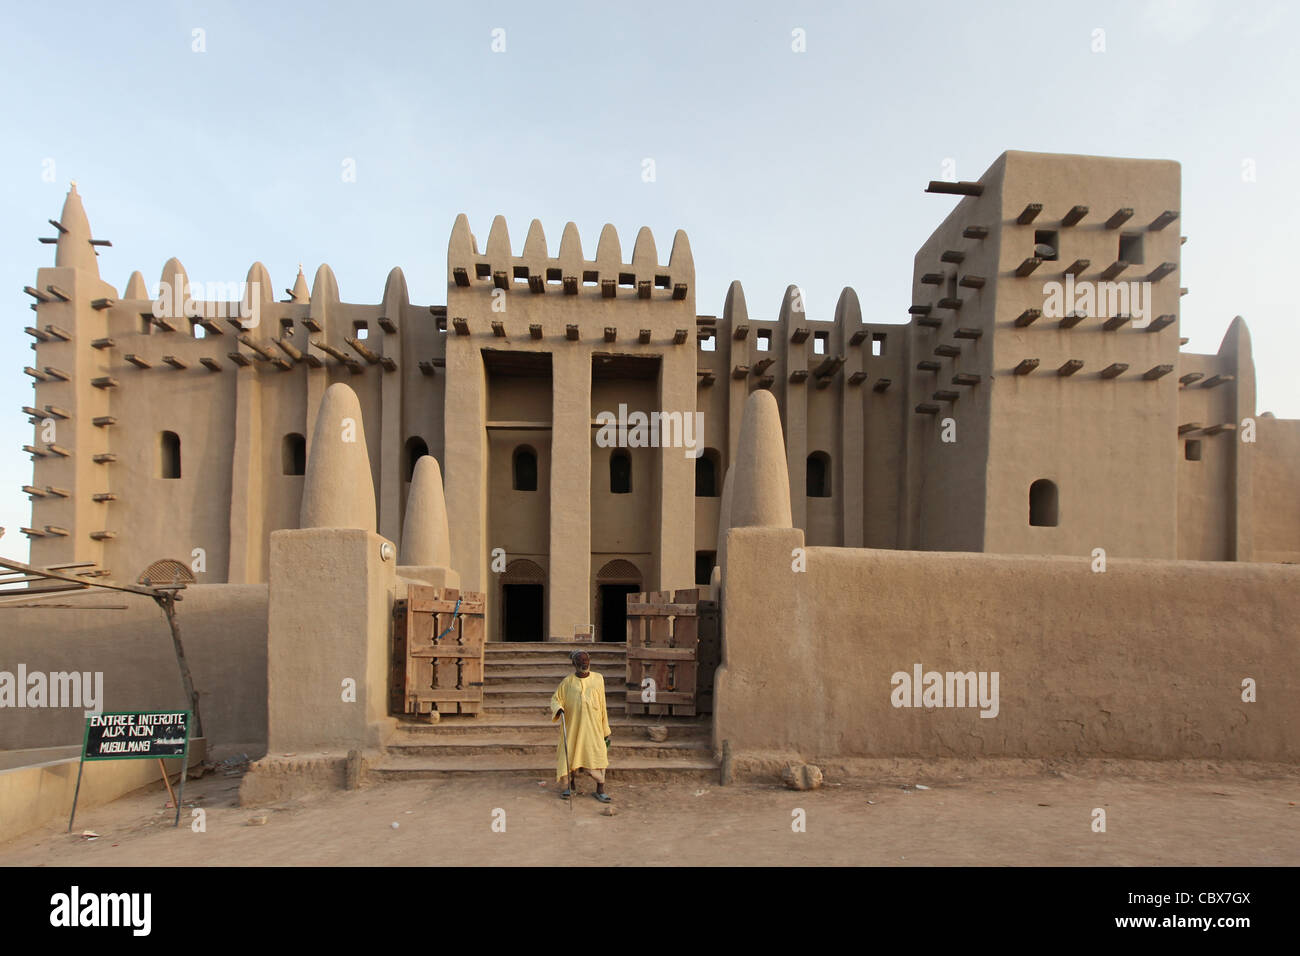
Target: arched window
point(620, 472)
point(416, 448)
point(819, 475)
point(169, 455)
point(293, 454)
point(1043, 503)
point(525, 469)
point(706, 473)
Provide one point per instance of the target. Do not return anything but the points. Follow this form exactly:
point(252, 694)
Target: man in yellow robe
point(581, 697)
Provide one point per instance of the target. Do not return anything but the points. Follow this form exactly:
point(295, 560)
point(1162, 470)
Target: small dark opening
point(170, 449)
point(525, 469)
point(819, 475)
point(1130, 248)
point(416, 448)
point(613, 611)
point(1192, 450)
point(1047, 238)
point(620, 473)
point(704, 562)
point(706, 477)
point(293, 454)
point(521, 613)
point(1043, 504)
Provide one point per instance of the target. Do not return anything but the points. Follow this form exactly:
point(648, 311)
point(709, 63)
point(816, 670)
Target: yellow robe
point(583, 700)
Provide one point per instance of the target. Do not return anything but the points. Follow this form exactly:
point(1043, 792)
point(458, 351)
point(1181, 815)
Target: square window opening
point(1044, 240)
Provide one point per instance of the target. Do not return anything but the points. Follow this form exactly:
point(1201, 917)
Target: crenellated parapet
point(569, 272)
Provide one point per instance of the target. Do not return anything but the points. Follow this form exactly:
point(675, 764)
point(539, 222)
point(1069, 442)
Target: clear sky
point(782, 166)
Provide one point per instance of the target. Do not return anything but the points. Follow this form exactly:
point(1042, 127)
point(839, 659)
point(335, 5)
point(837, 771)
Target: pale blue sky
point(782, 167)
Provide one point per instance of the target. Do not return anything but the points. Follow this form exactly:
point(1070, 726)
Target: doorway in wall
point(614, 582)
point(523, 602)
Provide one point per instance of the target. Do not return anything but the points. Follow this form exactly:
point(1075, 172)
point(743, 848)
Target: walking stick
point(564, 729)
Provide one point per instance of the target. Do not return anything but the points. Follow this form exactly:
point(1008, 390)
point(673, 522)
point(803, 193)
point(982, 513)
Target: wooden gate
point(662, 645)
point(437, 652)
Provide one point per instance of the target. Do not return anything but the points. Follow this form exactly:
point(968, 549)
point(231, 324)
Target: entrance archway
point(523, 601)
point(614, 582)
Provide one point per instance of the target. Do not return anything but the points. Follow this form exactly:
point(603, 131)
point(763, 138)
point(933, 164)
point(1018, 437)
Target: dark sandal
point(565, 795)
point(603, 797)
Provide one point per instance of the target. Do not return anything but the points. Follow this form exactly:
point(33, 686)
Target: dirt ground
point(1044, 818)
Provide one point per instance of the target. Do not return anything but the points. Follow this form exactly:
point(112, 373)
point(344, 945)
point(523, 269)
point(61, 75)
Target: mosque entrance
point(611, 601)
point(521, 612)
point(614, 582)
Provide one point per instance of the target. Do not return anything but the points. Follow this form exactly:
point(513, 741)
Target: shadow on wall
point(223, 628)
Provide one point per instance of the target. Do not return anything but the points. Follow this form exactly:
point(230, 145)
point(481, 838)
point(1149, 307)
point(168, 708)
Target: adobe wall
point(223, 630)
point(1276, 457)
point(1143, 661)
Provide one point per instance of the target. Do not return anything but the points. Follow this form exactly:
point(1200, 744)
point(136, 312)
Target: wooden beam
point(571, 333)
point(946, 350)
point(1114, 370)
point(966, 378)
point(535, 330)
point(1071, 320)
point(1116, 322)
point(1069, 367)
point(882, 385)
point(1216, 380)
point(1029, 213)
point(955, 256)
point(1077, 266)
point(1160, 322)
point(1028, 266)
point(975, 232)
point(968, 333)
point(962, 188)
point(1162, 220)
point(1075, 214)
point(1027, 318)
point(972, 282)
point(1119, 217)
point(1160, 271)
point(1157, 371)
point(1191, 377)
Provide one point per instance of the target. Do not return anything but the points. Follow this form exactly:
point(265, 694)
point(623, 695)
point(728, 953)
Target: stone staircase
point(514, 734)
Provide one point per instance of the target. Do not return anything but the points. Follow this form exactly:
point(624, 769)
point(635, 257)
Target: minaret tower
point(72, 463)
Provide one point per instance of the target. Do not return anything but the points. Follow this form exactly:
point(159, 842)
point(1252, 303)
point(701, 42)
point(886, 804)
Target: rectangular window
point(877, 343)
point(360, 331)
point(764, 340)
point(1192, 451)
point(1044, 240)
point(1130, 248)
point(819, 342)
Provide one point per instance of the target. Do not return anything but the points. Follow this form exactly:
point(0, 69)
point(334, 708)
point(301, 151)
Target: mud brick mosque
point(989, 422)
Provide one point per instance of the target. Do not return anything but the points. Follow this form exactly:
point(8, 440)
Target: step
point(548, 672)
point(511, 707)
point(619, 750)
point(516, 690)
point(623, 725)
point(637, 769)
point(537, 647)
point(548, 659)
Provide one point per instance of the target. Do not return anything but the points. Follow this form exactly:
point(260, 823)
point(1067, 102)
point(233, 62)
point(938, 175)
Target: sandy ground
point(1045, 818)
